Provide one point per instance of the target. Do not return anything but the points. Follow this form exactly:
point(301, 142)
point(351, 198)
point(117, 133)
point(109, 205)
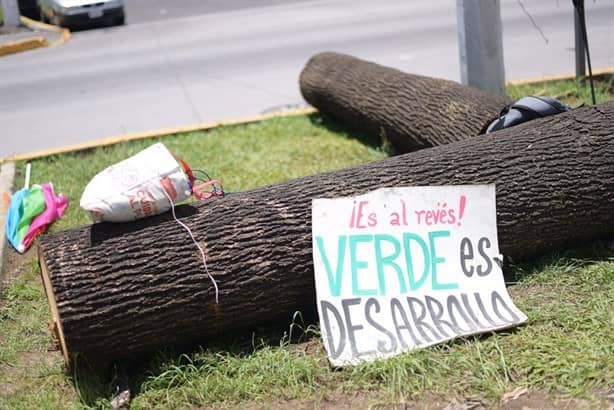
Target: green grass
point(571, 92)
point(241, 157)
point(25, 341)
point(24, 300)
point(565, 349)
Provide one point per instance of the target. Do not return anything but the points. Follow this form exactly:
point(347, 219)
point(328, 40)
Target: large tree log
point(411, 111)
point(119, 289)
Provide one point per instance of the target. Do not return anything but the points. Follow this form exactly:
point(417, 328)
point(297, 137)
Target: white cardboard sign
point(403, 268)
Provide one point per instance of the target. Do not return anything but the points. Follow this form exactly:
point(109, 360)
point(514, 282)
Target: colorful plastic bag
point(14, 216)
point(32, 205)
point(55, 206)
point(31, 211)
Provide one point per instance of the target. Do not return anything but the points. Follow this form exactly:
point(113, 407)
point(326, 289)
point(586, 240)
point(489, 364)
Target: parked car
point(28, 8)
point(70, 13)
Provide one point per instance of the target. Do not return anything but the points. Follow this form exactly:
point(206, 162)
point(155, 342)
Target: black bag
point(526, 109)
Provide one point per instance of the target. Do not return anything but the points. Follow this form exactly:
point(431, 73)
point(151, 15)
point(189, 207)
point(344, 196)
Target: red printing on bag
point(142, 204)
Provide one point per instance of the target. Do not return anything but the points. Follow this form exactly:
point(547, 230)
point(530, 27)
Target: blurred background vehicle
point(78, 13)
point(29, 8)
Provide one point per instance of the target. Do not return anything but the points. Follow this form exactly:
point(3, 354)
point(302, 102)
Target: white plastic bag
point(136, 187)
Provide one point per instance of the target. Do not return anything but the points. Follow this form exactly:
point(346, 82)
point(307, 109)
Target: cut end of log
point(56, 323)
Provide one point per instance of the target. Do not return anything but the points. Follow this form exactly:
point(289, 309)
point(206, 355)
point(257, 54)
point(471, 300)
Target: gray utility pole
point(480, 43)
point(579, 48)
point(10, 13)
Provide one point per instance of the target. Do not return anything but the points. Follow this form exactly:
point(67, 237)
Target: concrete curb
point(23, 45)
point(570, 76)
point(155, 133)
point(37, 25)
point(7, 176)
point(36, 41)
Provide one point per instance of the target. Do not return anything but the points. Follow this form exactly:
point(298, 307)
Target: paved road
point(229, 64)
point(139, 11)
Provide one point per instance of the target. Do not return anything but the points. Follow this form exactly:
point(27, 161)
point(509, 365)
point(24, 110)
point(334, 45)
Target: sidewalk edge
point(569, 76)
point(65, 34)
point(23, 45)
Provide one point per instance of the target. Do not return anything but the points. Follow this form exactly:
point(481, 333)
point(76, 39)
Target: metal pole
point(480, 43)
point(579, 6)
point(579, 48)
point(10, 13)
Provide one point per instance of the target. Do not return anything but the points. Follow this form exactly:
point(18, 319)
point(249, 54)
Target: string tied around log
point(202, 252)
point(207, 188)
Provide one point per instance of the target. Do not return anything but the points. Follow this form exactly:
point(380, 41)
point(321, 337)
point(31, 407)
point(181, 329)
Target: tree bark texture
point(411, 111)
point(129, 288)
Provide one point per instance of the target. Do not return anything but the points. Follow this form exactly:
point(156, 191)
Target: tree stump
point(117, 290)
point(411, 111)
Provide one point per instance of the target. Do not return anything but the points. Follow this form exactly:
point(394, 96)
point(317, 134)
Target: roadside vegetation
point(570, 92)
point(561, 358)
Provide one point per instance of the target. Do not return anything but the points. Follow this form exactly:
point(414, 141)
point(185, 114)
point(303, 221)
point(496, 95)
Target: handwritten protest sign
point(403, 268)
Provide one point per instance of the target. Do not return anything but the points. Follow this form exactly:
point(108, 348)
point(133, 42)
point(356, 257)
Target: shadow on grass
point(562, 261)
point(98, 382)
point(372, 141)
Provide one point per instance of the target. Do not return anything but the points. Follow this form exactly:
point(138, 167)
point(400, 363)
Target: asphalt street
point(167, 69)
point(139, 11)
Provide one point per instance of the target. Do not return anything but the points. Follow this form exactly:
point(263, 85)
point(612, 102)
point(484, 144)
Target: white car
point(71, 13)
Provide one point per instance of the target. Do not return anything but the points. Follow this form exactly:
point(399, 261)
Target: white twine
point(202, 252)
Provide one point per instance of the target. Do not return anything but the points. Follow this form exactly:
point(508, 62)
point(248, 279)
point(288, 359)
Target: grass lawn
point(563, 356)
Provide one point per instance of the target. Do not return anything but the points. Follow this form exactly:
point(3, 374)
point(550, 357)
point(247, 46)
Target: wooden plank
point(55, 316)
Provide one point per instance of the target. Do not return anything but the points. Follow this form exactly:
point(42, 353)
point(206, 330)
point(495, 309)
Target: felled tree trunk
point(411, 111)
point(120, 289)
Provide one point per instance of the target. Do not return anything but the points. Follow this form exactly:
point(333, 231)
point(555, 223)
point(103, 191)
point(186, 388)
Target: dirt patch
point(14, 264)
point(21, 370)
point(536, 292)
point(540, 400)
point(14, 375)
point(8, 372)
point(518, 399)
